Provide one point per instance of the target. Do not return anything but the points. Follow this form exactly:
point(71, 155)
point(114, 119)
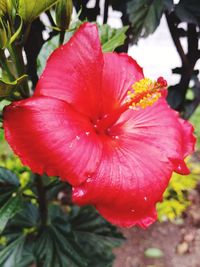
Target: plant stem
point(61, 37)
point(3, 63)
point(16, 54)
point(42, 201)
point(105, 13)
point(174, 34)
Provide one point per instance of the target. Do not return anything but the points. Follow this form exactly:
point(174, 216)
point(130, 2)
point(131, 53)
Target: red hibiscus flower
point(98, 124)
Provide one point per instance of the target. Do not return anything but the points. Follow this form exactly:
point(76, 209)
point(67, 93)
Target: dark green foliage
point(189, 11)
point(80, 238)
point(59, 234)
point(10, 199)
point(144, 16)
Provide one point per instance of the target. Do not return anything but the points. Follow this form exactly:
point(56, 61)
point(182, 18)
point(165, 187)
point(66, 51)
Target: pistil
point(143, 93)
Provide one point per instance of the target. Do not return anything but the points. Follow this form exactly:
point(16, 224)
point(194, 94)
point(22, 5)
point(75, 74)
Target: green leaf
point(9, 209)
point(30, 10)
point(7, 177)
point(101, 236)
point(175, 96)
point(7, 88)
point(144, 16)
point(3, 34)
point(3, 7)
point(16, 34)
point(6, 7)
point(57, 246)
point(14, 249)
point(188, 11)
point(28, 218)
point(153, 253)
point(80, 238)
point(63, 12)
point(8, 185)
point(112, 38)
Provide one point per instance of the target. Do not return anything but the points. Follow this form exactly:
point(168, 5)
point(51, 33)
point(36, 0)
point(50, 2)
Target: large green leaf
point(30, 10)
point(9, 209)
point(7, 88)
point(189, 11)
point(13, 249)
point(80, 238)
point(144, 16)
point(8, 178)
point(112, 38)
point(95, 235)
point(8, 185)
point(57, 246)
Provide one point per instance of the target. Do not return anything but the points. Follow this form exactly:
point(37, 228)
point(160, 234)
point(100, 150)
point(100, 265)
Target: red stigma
point(162, 82)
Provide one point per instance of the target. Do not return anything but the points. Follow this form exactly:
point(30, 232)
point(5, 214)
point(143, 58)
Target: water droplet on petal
point(71, 145)
point(179, 167)
point(132, 210)
point(87, 133)
point(88, 180)
point(79, 193)
point(116, 137)
point(105, 116)
point(145, 198)
point(78, 137)
point(89, 174)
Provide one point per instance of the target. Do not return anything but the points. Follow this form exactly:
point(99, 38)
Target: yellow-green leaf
point(6, 8)
point(7, 88)
point(3, 7)
point(112, 38)
point(16, 34)
point(3, 34)
point(30, 10)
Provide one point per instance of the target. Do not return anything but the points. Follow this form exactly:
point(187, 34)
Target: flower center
point(145, 93)
point(142, 94)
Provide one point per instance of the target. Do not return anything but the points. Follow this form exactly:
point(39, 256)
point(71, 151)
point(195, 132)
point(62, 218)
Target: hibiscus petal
point(119, 73)
point(136, 166)
point(54, 138)
point(188, 143)
point(129, 181)
point(74, 71)
point(188, 139)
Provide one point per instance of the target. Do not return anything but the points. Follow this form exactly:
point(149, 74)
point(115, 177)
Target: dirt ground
point(179, 242)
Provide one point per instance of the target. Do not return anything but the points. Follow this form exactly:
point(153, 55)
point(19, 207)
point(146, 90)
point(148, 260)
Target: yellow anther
point(145, 93)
